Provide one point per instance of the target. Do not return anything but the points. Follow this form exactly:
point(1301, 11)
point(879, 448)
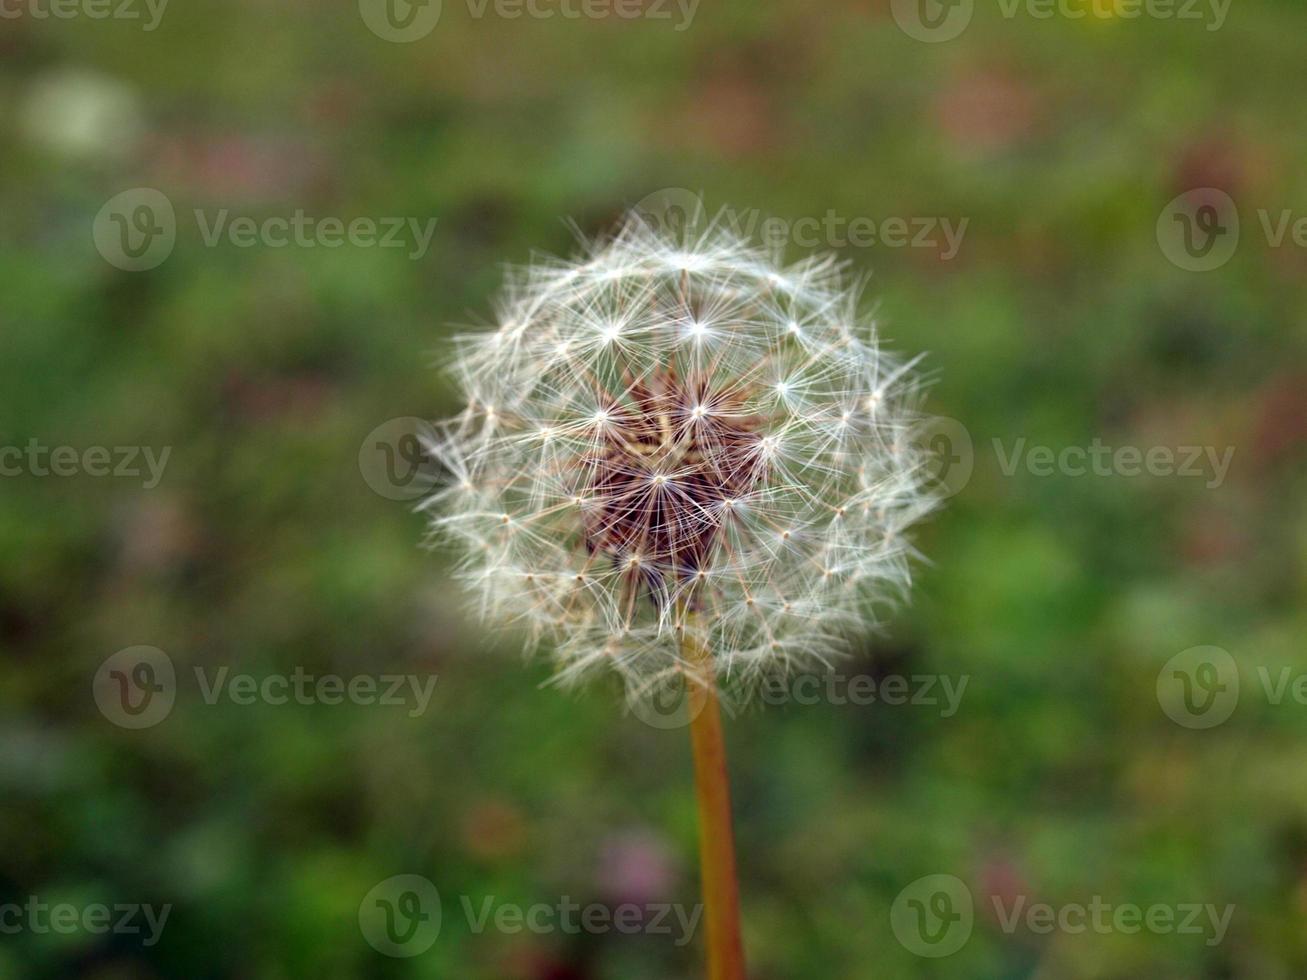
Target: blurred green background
point(264, 549)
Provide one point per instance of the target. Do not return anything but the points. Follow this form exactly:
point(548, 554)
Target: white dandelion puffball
point(677, 432)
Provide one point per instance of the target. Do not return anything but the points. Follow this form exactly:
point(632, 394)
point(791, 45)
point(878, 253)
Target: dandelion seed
point(684, 431)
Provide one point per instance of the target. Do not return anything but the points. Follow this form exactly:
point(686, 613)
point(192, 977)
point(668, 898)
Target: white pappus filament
point(680, 423)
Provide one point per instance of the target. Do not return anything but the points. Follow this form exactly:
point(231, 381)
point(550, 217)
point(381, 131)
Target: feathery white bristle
point(775, 494)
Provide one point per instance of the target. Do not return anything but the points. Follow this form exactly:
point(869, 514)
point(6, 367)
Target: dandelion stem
point(721, 890)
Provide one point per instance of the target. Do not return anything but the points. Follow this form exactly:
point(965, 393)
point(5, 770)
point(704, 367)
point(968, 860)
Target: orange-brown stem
point(721, 890)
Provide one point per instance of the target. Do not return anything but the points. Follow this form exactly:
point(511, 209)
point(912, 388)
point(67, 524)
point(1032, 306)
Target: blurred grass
point(263, 549)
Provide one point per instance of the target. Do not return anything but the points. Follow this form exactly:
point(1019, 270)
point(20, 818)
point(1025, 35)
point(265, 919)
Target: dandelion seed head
point(675, 424)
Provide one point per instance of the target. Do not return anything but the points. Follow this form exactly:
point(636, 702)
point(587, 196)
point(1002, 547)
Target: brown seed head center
point(673, 463)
